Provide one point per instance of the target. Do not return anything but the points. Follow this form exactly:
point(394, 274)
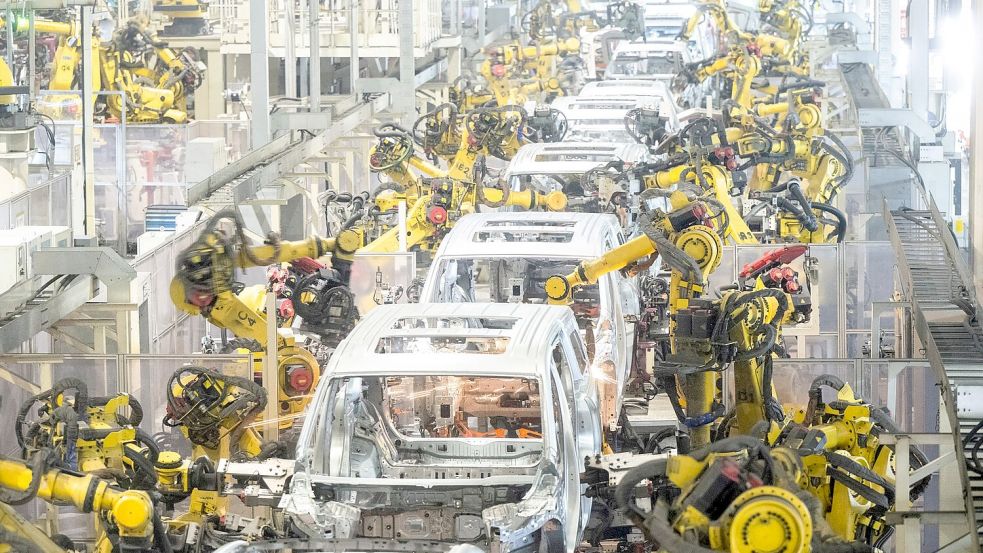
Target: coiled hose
point(136, 410)
point(675, 257)
point(841, 154)
point(60, 387)
point(204, 430)
point(917, 458)
point(840, 231)
point(38, 464)
point(17, 543)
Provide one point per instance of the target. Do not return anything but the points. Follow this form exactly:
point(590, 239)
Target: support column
point(404, 101)
point(290, 51)
point(353, 59)
point(453, 64)
point(259, 71)
point(918, 58)
point(88, 153)
point(302, 72)
point(315, 59)
point(9, 15)
point(975, 215)
point(271, 377)
point(214, 100)
point(32, 45)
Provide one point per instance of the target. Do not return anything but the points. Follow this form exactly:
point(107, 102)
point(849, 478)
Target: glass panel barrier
point(26, 375)
point(868, 279)
point(792, 377)
point(149, 378)
point(146, 378)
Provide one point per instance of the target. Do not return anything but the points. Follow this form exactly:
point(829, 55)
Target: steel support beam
point(18, 380)
point(259, 72)
point(404, 101)
point(104, 263)
point(32, 45)
point(353, 59)
point(291, 121)
point(386, 84)
point(918, 58)
point(88, 137)
point(282, 156)
point(38, 317)
point(975, 215)
point(908, 118)
point(315, 59)
point(290, 51)
point(72, 341)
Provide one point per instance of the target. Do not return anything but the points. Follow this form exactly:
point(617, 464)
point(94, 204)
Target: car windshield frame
point(340, 408)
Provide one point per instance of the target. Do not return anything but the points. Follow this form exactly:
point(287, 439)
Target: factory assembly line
point(581, 284)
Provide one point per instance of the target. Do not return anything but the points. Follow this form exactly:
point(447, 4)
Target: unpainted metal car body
point(659, 60)
point(654, 91)
point(594, 118)
point(597, 46)
point(546, 167)
point(665, 18)
point(507, 257)
point(435, 426)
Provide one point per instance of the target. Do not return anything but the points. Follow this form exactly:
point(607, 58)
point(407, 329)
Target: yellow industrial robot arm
point(559, 289)
point(130, 512)
point(517, 52)
point(525, 199)
point(711, 180)
point(755, 319)
point(68, 55)
point(434, 212)
point(17, 535)
point(22, 24)
point(684, 238)
point(214, 411)
point(204, 280)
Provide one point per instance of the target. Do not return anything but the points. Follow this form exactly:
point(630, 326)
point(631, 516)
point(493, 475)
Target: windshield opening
point(512, 280)
point(568, 183)
point(419, 426)
point(601, 131)
point(653, 64)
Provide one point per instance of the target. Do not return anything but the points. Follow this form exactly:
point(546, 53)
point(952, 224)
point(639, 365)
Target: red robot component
point(437, 215)
point(774, 258)
point(307, 265)
point(299, 380)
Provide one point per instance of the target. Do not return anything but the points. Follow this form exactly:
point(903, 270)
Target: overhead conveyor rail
point(935, 278)
point(241, 180)
point(39, 312)
point(22, 317)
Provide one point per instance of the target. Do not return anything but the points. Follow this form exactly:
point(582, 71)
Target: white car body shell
point(537, 336)
point(589, 235)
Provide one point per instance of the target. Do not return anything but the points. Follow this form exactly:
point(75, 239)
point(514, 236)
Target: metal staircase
point(937, 282)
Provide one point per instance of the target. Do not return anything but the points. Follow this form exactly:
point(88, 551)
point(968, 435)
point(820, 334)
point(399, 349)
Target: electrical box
point(204, 157)
point(150, 240)
point(16, 247)
point(61, 237)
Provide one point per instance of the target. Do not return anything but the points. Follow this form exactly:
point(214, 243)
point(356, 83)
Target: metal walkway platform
point(934, 279)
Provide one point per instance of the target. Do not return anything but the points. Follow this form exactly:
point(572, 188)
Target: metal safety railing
point(45, 203)
point(144, 377)
point(937, 282)
point(377, 23)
